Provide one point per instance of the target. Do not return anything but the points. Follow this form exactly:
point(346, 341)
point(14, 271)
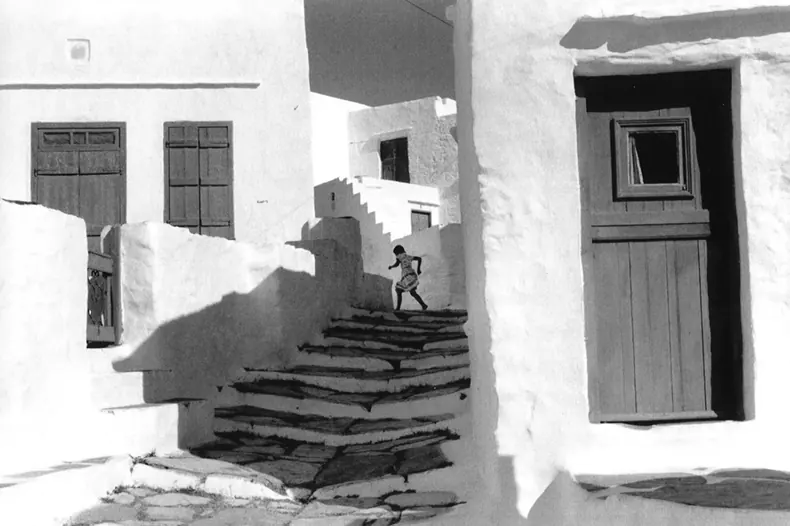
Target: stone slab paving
point(139, 506)
point(312, 466)
point(748, 489)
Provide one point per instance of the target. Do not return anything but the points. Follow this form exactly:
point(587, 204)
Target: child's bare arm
point(393, 265)
point(418, 259)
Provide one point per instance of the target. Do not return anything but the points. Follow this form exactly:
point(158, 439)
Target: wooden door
point(646, 237)
point(78, 168)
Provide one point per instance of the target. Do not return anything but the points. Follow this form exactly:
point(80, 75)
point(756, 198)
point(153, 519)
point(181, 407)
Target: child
point(408, 281)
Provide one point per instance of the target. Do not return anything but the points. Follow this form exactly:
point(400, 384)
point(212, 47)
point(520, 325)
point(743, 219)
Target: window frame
point(405, 158)
point(423, 213)
point(624, 175)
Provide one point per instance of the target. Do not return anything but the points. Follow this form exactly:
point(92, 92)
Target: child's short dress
point(408, 280)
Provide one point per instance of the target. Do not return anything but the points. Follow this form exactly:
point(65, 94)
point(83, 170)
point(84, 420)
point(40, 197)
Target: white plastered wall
point(520, 192)
point(330, 140)
point(153, 62)
point(426, 123)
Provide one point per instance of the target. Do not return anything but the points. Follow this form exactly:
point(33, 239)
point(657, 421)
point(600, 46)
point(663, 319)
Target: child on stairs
point(408, 281)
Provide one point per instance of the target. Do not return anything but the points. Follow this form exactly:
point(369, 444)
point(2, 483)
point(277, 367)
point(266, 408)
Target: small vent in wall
point(78, 50)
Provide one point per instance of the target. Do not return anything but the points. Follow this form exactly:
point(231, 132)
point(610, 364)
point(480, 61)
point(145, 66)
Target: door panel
point(614, 329)
point(645, 256)
point(689, 327)
point(59, 192)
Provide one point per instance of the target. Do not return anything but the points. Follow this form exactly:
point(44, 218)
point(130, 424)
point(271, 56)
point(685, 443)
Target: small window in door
point(199, 177)
point(420, 220)
point(395, 160)
point(652, 158)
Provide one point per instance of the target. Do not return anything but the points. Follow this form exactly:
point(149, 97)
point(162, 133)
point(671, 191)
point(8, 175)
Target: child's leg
point(400, 298)
point(418, 298)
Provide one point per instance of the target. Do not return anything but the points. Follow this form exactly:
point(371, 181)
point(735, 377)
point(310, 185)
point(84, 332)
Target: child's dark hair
point(398, 249)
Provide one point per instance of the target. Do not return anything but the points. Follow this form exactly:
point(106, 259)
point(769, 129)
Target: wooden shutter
point(183, 183)
point(199, 184)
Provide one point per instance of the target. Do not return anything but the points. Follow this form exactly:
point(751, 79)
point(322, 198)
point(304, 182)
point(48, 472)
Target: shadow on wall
point(270, 301)
point(622, 34)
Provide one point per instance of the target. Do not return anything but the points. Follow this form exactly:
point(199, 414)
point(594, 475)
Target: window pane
point(56, 138)
point(80, 137)
point(654, 158)
point(107, 137)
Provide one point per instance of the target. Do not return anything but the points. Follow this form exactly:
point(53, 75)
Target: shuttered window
point(79, 169)
point(199, 177)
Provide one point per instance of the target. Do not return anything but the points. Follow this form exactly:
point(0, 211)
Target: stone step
point(352, 380)
point(384, 339)
point(394, 321)
point(374, 325)
point(379, 359)
point(418, 316)
point(326, 471)
point(327, 430)
point(300, 398)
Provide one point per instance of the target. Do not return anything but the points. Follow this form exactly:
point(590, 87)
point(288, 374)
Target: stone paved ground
point(749, 489)
point(137, 506)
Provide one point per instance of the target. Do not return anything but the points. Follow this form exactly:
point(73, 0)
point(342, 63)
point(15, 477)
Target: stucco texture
point(152, 63)
point(521, 200)
point(429, 125)
point(198, 308)
point(53, 388)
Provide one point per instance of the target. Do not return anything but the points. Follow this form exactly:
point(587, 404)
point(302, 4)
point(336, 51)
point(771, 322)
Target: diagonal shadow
point(622, 34)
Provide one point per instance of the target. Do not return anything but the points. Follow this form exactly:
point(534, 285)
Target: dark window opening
point(655, 158)
point(395, 160)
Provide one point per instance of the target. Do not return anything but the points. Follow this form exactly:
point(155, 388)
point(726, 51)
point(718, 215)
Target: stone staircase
point(369, 409)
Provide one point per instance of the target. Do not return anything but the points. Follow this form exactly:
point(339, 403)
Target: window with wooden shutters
point(79, 169)
point(199, 177)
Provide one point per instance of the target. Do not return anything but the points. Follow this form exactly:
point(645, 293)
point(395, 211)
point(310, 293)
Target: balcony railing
point(102, 322)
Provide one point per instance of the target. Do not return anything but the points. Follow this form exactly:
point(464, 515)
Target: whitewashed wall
point(203, 307)
point(520, 193)
point(53, 388)
point(152, 62)
point(330, 140)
